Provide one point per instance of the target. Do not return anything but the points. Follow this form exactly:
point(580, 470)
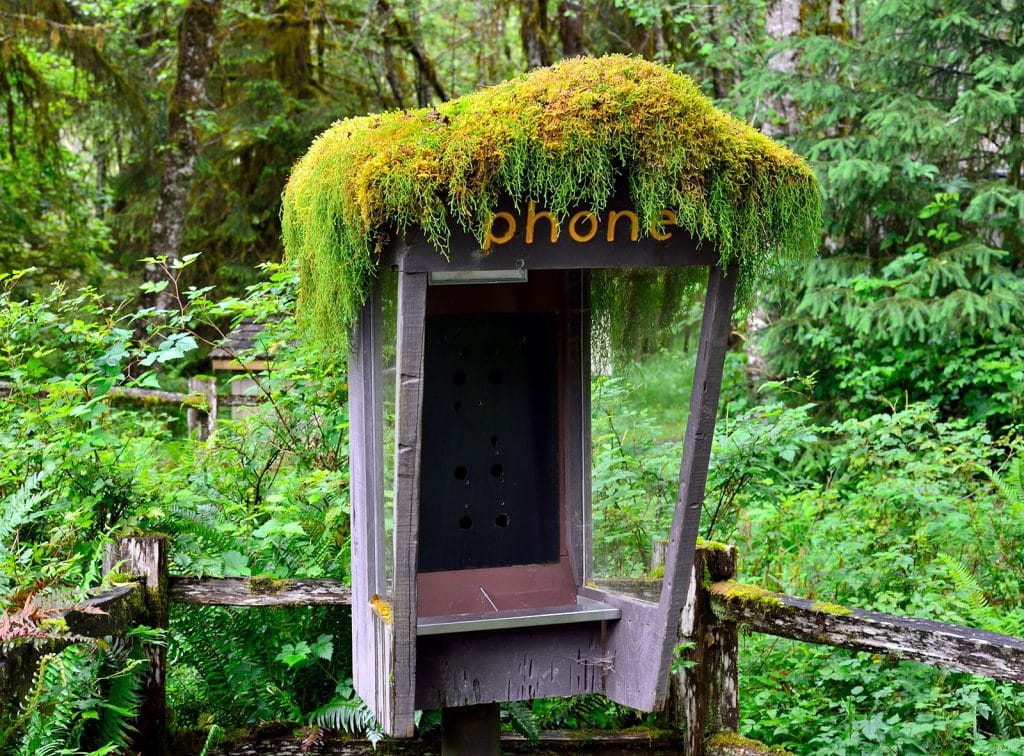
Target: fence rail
point(705, 699)
point(201, 402)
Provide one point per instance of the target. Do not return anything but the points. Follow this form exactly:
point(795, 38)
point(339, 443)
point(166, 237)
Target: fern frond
point(350, 715)
point(522, 719)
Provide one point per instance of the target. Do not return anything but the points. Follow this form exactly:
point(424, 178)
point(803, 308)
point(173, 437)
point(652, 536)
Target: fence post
point(704, 697)
point(147, 557)
point(204, 423)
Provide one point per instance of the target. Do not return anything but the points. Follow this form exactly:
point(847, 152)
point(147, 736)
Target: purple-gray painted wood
point(585, 440)
point(372, 644)
point(511, 665)
point(576, 436)
point(963, 649)
point(413, 254)
point(693, 471)
point(412, 298)
point(644, 637)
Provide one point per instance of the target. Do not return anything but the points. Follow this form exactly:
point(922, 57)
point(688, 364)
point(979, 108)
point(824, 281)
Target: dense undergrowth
point(905, 510)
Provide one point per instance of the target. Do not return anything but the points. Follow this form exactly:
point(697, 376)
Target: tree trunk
point(782, 22)
point(197, 53)
point(534, 33)
point(570, 28)
point(410, 38)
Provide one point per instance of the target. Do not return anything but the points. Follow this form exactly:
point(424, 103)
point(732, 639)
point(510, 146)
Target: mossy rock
point(566, 136)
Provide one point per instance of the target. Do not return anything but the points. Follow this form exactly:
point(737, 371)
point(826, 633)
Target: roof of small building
point(566, 136)
point(243, 338)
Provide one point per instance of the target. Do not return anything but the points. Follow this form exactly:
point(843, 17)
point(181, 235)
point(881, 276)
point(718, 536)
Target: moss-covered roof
point(564, 136)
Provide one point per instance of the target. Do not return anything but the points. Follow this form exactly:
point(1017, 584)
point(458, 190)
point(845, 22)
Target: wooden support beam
point(203, 420)
point(962, 649)
point(258, 592)
point(147, 557)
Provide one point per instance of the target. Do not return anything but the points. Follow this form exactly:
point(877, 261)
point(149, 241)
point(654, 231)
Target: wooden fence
point(705, 701)
point(201, 403)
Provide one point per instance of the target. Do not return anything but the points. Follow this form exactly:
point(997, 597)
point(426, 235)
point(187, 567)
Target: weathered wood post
point(146, 557)
point(203, 422)
point(705, 697)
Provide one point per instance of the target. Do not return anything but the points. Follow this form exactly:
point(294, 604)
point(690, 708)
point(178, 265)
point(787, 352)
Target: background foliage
point(868, 445)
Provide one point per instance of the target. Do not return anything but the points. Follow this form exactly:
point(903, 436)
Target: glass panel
point(389, 301)
point(640, 392)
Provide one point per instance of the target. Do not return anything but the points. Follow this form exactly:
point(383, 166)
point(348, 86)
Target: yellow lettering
point(490, 238)
point(576, 235)
point(531, 218)
point(613, 217)
point(668, 218)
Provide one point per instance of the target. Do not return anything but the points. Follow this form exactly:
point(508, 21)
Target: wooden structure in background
point(243, 339)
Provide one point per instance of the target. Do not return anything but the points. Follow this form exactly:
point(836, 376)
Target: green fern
point(522, 719)
point(968, 587)
point(350, 715)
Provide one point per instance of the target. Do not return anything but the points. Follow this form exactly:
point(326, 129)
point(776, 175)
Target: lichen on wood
point(566, 136)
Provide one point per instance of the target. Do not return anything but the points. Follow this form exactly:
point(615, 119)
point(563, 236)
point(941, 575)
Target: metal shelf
point(585, 610)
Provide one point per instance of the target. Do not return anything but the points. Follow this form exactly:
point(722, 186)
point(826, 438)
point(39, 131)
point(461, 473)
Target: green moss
point(564, 136)
point(749, 594)
point(268, 586)
point(827, 607)
point(712, 545)
point(727, 741)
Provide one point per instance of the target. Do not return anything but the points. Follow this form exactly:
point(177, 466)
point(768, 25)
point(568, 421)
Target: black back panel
point(489, 471)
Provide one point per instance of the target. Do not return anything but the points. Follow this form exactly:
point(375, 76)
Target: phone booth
point(470, 424)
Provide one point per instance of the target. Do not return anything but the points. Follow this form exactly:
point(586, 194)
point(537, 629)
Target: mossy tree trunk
point(197, 54)
point(570, 28)
point(408, 35)
point(535, 33)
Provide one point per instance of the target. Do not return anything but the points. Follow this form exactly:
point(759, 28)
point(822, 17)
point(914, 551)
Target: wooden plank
point(962, 649)
point(693, 471)
point(647, 641)
point(128, 395)
point(521, 664)
point(414, 254)
point(586, 432)
point(372, 647)
point(282, 742)
point(241, 400)
point(258, 592)
point(412, 298)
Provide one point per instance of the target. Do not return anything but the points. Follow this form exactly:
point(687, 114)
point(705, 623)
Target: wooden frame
point(627, 658)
